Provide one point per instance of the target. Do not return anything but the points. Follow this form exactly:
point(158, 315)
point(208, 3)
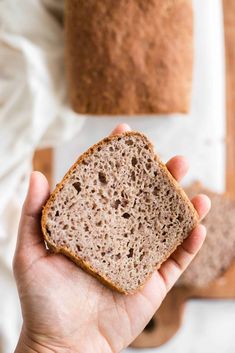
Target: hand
point(66, 310)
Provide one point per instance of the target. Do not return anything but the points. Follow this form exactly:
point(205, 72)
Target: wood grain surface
point(167, 320)
point(43, 162)
point(229, 31)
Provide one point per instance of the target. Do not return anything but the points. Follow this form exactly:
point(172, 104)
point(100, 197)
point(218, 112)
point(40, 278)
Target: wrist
point(28, 345)
point(25, 345)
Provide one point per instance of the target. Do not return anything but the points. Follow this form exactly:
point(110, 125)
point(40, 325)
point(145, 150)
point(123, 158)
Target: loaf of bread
point(118, 212)
point(218, 250)
point(129, 57)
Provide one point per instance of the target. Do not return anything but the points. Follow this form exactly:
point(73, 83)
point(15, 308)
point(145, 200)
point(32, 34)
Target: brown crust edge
point(80, 262)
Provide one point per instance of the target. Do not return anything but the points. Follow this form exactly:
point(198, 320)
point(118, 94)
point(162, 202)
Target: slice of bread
point(218, 250)
point(118, 213)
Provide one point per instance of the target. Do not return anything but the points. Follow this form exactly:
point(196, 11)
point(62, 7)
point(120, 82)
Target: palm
point(85, 304)
point(67, 307)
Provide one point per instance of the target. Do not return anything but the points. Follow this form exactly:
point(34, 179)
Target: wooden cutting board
point(168, 318)
point(167, 321)
point(43, 162)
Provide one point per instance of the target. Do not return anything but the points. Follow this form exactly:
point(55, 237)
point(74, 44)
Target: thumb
point(30, 234)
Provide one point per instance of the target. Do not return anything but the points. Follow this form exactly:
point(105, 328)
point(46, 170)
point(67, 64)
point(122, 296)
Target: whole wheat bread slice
point(118, 213)
point(218, 250)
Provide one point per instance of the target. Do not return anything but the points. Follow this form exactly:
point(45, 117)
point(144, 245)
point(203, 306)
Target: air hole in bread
point(131, 251)
point(124, 203)
point(102, 177)
point(78, 247)
point(129, 142)
point(77, 186)
point(180, 218)
point(115, 204)
point(48, 231)
point(118, 256)
point(134, 161)
point(126, 215)
point(72, 205)
point(133, 176)
point(104, 199)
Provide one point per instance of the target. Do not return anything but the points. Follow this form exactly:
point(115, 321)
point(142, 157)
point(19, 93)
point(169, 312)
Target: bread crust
point(79, 261)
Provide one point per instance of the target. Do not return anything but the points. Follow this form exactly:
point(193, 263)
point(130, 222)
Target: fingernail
point(126, 126)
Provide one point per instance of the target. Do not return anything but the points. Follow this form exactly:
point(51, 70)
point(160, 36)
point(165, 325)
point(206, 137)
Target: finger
point(30, 226)
point(202, 205)
point(120, 128)
point(178, 167)
point(172, 269)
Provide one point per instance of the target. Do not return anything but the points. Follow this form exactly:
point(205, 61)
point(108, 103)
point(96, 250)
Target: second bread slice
point(118, 212)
